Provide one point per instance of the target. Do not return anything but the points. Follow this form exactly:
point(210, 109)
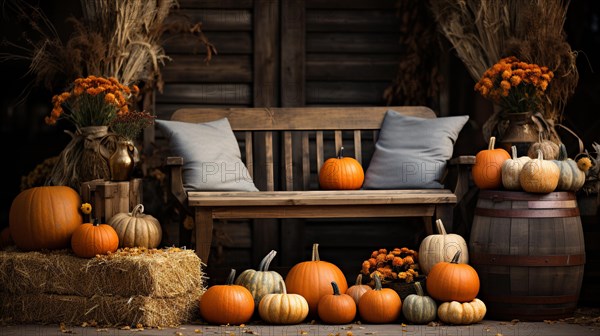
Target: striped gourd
point(262, 281)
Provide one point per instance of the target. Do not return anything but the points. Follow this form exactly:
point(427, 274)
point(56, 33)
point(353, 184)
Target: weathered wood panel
point(226, 94)
point(293, 94)
point(370, 93)
point(225, 43)
point(265, 234)
point(318, 20)
point(344, 43)
point(222, 19)
point(350, 67)
point(225, 68)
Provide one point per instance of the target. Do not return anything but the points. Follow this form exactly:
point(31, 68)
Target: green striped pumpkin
point(419, 308)
point(262, 281)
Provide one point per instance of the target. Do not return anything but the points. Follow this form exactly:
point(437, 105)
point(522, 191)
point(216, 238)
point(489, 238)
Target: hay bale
point(160, 273)
point(104, 310)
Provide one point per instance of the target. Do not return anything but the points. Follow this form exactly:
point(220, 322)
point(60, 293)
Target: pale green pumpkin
point(262, 281)
point(571, 178)
point(419, 308)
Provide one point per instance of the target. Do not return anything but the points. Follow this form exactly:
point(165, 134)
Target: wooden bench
point(305, 138)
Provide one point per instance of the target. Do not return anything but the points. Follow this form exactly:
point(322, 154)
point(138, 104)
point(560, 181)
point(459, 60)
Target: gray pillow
point(211, 155)
point(412, 152)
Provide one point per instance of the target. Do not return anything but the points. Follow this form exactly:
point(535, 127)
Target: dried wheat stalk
point(118, 38)
point(483, 31)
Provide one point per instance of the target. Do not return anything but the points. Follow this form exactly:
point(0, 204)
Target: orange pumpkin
point(227, 304)
point(381, 305)
point(341, 173)
point(451, 281)
point(336, 308)
point(45, 217)
point(89, 239)
point(312, 279)
point(487, 170)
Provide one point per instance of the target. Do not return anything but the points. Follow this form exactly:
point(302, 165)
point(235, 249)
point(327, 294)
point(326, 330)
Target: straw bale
point(161, 273)
point(103, 310)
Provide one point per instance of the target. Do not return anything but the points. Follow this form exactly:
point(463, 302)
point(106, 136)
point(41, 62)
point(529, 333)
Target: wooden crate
point(109, 198)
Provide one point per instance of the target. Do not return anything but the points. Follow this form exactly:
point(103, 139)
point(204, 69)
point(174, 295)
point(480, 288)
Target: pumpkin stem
point(315, 252)
point(492, 143)
point(266, 261)
point(377, 282)
point(283, 288)
point(540, 155)
point(456, 257)
point(440, 227)
point(419, 289)
point(514, 152)
point(341, 152)
point(138, 210)
point(231, 277)
point(562, 152)
point(96, 222)
point(336, 288)
point(359, 279)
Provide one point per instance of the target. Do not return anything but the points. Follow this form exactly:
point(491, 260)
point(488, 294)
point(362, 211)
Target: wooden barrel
point(529, 252)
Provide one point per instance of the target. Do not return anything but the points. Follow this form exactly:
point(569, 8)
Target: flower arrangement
point(399, 264)
point(515, 85)
point(129, 125)
point(92, 101)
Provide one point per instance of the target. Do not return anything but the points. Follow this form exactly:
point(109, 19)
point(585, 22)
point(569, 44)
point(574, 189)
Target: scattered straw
point(105, 310)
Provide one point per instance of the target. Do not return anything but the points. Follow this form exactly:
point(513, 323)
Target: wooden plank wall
point(287, 53)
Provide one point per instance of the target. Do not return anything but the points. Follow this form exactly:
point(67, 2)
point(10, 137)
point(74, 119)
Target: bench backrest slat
point(307, 136)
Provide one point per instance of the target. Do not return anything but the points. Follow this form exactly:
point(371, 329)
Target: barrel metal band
point(500, 196)
point(522, 260)
point(527, 213)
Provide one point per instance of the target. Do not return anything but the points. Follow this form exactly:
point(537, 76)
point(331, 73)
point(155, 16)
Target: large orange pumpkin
point(91, 239)
point(227, 304)
point(312, 279)
point(487, 170)
point(45, 217)
point(451, 281)
point(341, 173)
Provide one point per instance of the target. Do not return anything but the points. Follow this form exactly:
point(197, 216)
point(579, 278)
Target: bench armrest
point(174, 166)
point(461, 168)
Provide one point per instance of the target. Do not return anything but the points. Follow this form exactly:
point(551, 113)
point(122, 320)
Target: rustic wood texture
point(530, 258)
point(298, 196)
point(110, 198)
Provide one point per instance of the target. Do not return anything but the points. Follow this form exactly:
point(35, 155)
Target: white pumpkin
point(455, 312)
point(511, 169)
point(539, 175)
point(441, 247)
point(137, 229)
